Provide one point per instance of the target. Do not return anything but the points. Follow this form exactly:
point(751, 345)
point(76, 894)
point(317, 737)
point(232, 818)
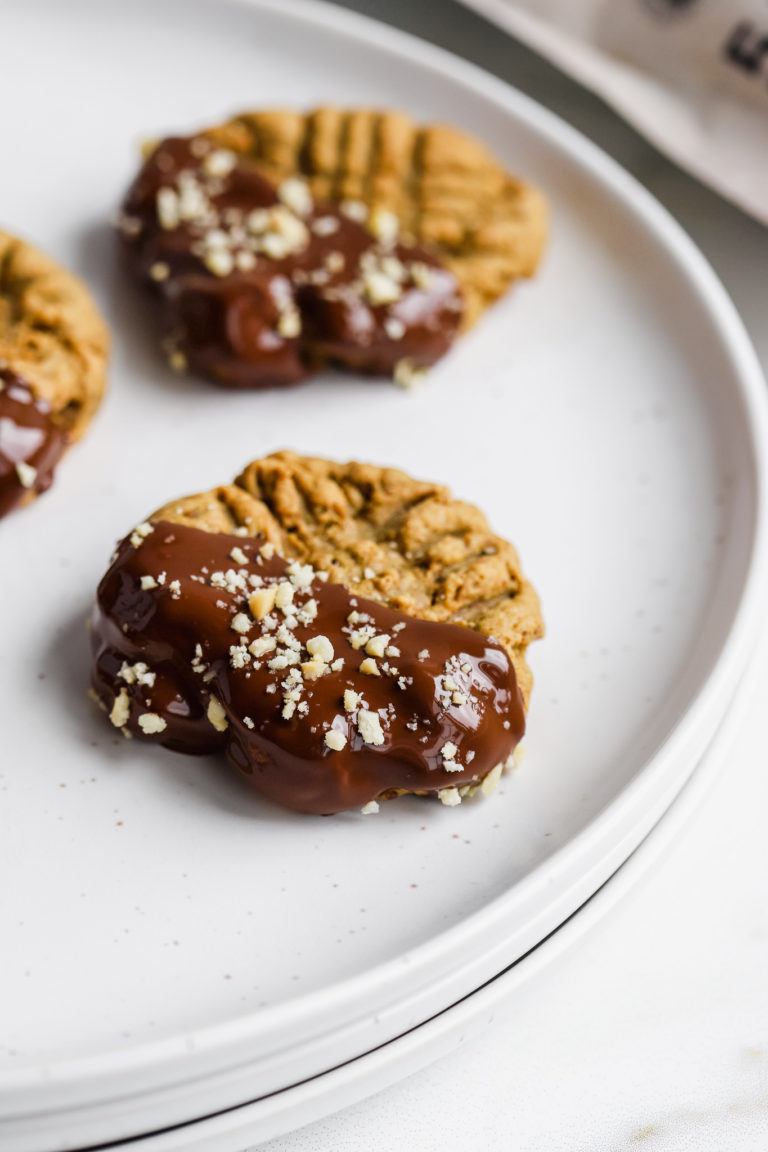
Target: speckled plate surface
point(174, 946)
point(493, 1005)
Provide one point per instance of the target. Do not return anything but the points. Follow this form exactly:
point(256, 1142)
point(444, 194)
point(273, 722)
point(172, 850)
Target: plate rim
point(111, 1065)
point(435, 1038)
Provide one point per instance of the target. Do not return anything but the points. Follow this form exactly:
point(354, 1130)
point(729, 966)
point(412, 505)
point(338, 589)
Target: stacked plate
point(174, 948)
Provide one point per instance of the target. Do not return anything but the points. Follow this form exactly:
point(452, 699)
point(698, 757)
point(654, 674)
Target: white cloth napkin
point(691, 75)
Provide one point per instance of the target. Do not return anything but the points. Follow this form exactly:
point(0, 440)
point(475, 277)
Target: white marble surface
point(653, 1032)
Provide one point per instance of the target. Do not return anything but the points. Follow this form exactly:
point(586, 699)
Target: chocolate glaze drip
point(31, 444)
point(292, 311)
point(445, 696)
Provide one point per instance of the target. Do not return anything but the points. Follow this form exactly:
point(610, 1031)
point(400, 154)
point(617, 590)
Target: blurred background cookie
point(279, 242)
point(53, 353)
point(344, 632)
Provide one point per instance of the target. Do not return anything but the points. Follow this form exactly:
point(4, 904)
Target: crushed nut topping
point(369, 727)
point(140, 533)
point(408, 374)
point(219, 163)
point(355, 210)
point(313, 264)
point(150, 723)
point(27, 474)
point(384, 225)
point(121, 709)
point(449, 796)
point(241, 623)
point(288, 666)
point(137, 673)
point(296, 195)
point(217, 715)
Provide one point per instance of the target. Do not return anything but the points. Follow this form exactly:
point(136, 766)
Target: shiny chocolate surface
point(31, 445)
point(322, 700)
point(257, 285)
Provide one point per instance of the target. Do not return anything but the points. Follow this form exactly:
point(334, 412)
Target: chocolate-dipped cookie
point(53, 353)
point(343, 632)
point(278, 242)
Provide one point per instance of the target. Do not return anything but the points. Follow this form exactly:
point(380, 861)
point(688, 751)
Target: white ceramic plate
point(174, 946)
point(275, 1115)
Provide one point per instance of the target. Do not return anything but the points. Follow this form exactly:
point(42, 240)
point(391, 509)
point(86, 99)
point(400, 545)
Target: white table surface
point(652, 1033)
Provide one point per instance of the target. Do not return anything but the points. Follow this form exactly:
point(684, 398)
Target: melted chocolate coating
point(230, 326)
point(29, 439)
point(445, 696)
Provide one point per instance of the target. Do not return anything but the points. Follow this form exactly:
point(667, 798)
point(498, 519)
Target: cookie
point(343, 632)
point(279, 243)
point(53, 353)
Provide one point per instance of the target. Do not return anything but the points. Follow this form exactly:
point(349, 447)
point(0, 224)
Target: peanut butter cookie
point(277, 243)
point(344, 632)
point(53, 352)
